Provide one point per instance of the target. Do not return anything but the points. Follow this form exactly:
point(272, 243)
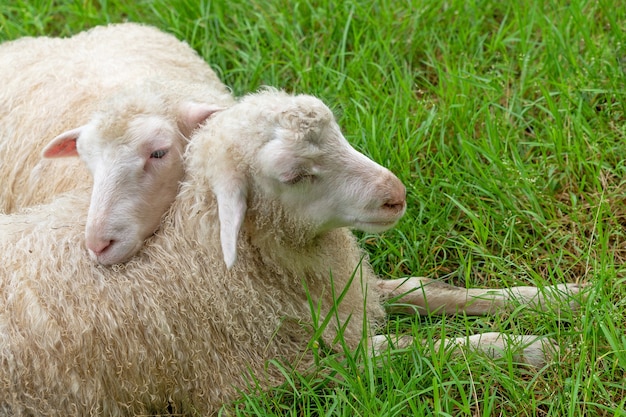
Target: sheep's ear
point(63, 145)
point(192, 114)
point(232, 195)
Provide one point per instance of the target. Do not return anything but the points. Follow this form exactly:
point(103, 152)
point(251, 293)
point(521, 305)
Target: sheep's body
point(176, 326)
point(123, 342)
point(50, 85)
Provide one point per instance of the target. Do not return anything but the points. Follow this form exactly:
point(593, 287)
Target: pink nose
point(396, 202)
point(394, 205)
point(99, 246)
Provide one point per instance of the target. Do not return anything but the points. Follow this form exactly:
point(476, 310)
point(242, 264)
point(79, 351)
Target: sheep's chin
point(373, 227)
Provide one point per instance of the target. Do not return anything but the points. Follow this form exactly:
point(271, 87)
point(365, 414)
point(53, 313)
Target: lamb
point(154, 89)
point(133, 149)
point(257, 234)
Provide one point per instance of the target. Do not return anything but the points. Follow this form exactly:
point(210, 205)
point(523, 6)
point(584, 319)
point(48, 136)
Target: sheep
point(133, 149)
point(154, 90)
point(258, 233)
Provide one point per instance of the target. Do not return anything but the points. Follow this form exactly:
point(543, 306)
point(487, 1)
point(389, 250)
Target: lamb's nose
point(98, 246)
point(394, 205)
point(396, 202)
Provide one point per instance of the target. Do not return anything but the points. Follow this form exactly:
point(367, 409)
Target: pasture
point(506, 123)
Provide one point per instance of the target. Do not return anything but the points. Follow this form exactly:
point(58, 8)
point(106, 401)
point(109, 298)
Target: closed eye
point(298, 178)
point(158, 154)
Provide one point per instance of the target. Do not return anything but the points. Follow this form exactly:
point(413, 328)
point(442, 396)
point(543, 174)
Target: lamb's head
point(277, 150)
point(133, 150)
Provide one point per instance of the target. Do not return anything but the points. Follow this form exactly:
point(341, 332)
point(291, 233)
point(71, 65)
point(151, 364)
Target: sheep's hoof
point(572, 293)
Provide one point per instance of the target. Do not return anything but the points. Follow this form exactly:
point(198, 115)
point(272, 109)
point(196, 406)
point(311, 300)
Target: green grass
point(506, 122)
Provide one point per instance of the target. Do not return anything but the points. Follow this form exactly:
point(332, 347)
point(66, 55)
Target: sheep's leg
point(531, 350)
point(427, 296)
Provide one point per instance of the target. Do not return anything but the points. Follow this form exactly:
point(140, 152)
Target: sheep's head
point(295, 154)
point(135, 157)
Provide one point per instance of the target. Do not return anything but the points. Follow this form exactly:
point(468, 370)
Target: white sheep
point(257, 234)
point(154, 90)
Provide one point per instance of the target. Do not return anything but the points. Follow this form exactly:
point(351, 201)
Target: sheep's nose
point(394, 206)
point(98, 246)
point(396, 201)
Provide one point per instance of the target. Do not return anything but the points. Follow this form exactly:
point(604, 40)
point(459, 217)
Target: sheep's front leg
point(427, 296)
point(530, 349)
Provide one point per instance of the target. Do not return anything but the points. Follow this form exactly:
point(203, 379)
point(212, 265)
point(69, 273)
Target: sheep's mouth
point(374, 226)
point(119, 251)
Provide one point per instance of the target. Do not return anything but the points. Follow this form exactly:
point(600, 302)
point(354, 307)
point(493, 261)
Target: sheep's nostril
point(396, 199)
point(394, 206)
point(396, 202)
point(393, 195)
point(100, 247)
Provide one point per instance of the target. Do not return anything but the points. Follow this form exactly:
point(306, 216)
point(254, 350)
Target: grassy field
point(506, 122)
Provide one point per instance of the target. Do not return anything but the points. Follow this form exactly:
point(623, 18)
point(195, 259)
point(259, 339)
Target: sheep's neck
point(271, 225)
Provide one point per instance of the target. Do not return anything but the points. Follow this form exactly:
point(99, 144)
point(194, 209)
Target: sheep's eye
point(298, 178)
point(158, 154)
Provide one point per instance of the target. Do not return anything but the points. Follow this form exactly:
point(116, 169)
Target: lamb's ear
point(63, 145)
point(192, 114)
point(232, 194)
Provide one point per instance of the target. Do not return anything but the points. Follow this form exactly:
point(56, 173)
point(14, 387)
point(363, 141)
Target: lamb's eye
point(301, 177)
point(158, 154)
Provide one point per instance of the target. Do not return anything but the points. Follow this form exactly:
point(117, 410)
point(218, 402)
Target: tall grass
point(505, 120)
